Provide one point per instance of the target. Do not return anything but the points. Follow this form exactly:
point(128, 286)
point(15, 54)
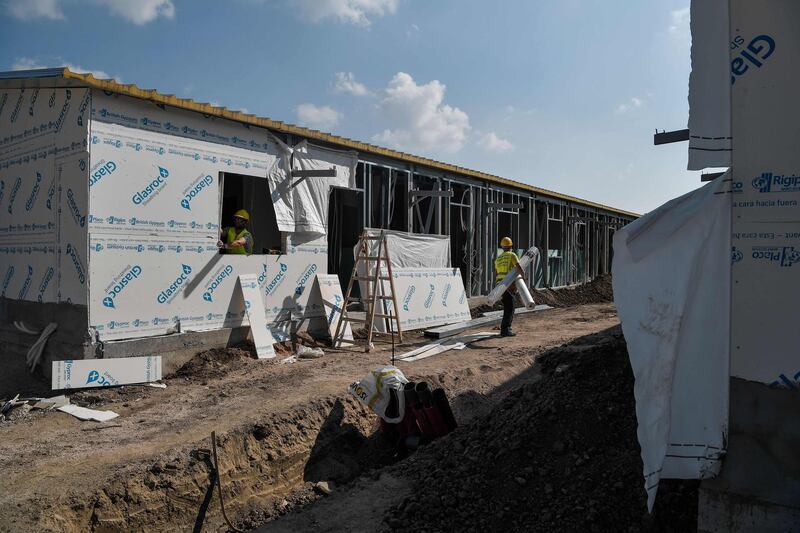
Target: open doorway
point(251, 194)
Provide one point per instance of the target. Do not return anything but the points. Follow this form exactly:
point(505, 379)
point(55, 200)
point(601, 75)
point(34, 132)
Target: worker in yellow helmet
point(236, 239)
point(504, 263)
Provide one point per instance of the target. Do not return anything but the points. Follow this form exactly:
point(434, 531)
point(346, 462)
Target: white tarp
point(671, 275)
point(301, 204)
point(710, 85)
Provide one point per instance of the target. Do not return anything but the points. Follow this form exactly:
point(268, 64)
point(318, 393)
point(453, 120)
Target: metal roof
point(38, 78)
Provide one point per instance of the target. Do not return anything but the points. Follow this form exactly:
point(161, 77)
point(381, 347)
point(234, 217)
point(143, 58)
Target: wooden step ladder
point(376, 296)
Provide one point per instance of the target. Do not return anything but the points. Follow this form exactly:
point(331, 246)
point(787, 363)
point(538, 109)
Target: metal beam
point(498, 205)
point(322, 173)
point(667, 137)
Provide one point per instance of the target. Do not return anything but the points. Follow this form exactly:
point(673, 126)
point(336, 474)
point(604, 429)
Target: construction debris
point(88, 414)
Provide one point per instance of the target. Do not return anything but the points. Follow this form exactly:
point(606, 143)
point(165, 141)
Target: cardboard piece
point(332, 300)
point(88, 414)
point(91, 373)
point(254, 309)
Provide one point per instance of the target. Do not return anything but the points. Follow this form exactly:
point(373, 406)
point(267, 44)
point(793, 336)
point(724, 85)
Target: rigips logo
point(105, 168)
point(34, 193)
point(167, 294)
point(769, 182)
point(152, 189)
point(122, 281)
point(194, 190)
point(227, 271)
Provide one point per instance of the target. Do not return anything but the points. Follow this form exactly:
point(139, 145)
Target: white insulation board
point(88, 373)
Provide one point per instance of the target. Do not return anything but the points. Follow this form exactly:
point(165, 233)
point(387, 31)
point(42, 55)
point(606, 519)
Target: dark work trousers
point(508, 311)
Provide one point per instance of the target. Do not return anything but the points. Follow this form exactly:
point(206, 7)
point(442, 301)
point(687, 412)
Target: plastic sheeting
point(710, 85)
point(671, 275)
point(301, 204)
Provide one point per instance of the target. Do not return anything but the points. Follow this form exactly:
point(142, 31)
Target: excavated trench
point(266, 469)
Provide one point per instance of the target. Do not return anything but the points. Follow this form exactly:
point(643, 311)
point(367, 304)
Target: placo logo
point(172, 290)
point(76, 261)
point(769, 182)
point(152, 189)
point(121, 281)
point(7, 279)
point(759, 49)
point(278, 279)
point(13, 195)
point(48, 275)
point(429, 298)
point(195, 189)
point(51, 191)
point(34, 192)
point(304, 279)
point(445, 294)
point(408, 295)
point(102, 169)
point(23, 291)
point(736, 255)
point(216, 282)
point(785, 256)
point(74, 209)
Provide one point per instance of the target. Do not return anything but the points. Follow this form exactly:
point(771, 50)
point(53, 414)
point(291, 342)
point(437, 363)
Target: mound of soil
point(213, 363)
point(558, 454)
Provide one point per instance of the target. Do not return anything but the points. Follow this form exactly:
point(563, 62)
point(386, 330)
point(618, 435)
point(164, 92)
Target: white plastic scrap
point(88, 414)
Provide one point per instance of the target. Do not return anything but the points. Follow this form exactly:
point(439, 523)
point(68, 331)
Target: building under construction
point(112, 199)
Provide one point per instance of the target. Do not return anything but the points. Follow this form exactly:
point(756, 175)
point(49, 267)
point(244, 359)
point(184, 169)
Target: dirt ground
point(280, 428)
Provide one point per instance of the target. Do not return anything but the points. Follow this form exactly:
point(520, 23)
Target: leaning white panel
point(427, 297)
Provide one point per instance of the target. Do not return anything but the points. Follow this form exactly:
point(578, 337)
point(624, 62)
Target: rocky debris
point(558, 454)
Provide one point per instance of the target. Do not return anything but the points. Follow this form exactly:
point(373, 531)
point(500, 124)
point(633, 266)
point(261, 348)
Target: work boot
point(507, 333)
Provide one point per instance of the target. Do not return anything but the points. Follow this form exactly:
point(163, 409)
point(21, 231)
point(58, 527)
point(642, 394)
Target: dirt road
point(277, 423)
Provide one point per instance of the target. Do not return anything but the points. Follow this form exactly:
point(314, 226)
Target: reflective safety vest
point(504, 263)
point(231, 236)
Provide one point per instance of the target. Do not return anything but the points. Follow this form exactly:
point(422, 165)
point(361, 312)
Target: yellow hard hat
point(506, 241)
point(241, 213)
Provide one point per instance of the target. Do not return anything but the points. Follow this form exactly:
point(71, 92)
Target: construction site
point(216, 321)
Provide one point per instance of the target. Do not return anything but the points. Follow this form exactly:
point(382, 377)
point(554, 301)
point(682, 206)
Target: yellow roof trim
point(188, 103)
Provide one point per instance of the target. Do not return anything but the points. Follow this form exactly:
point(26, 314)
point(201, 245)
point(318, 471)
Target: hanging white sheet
point(710, 85)
point(671, 276)
point(301, 204)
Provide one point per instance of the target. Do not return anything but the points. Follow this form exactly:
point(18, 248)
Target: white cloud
point(420, 121)
point(412, 31)
point(633, 103)
point(33, 9)
point(680, 21)
point(346, 83)
point(492, 143)
point(140, 11)
point(318, 117)
point(28, 63)
point(137, 11)
point(348, 11)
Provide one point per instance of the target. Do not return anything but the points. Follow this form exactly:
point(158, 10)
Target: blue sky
point(562, 94)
